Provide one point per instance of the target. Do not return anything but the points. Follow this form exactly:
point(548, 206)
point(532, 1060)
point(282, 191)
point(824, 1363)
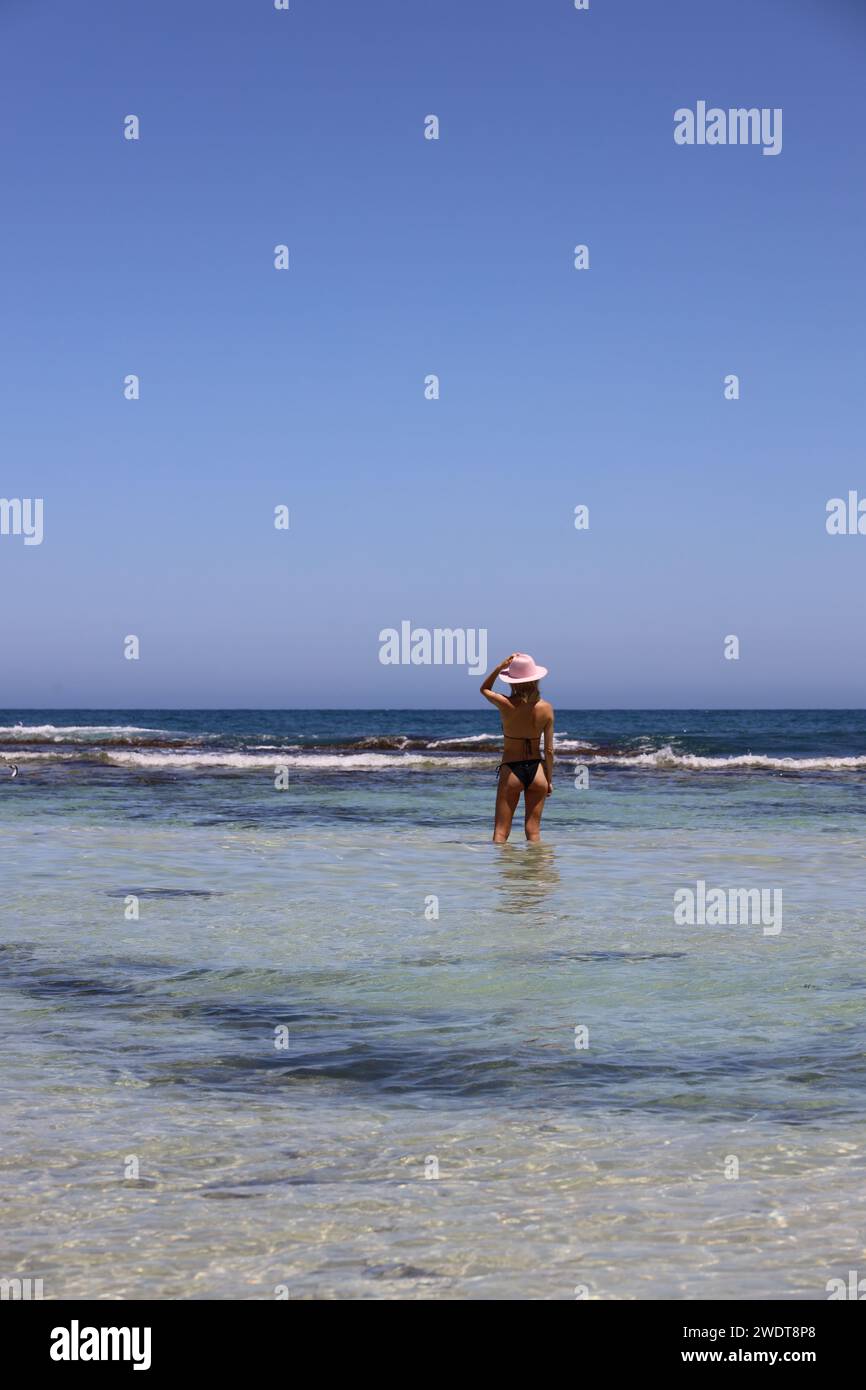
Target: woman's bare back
point(521, 722)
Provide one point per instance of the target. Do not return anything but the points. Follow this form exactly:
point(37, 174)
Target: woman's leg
point(533, 802)
point(507, 797)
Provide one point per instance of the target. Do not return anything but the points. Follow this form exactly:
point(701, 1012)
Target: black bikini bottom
point(525, 770)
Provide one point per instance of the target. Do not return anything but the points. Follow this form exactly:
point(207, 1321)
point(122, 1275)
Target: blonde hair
point(525, 693)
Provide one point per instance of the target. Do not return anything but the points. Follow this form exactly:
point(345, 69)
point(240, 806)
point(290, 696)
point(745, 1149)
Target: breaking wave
point(85, 733)
point(345, 762)
point(667, 758)
point(258, 746)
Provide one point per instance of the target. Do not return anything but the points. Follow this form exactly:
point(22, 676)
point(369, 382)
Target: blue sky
point(410, 257)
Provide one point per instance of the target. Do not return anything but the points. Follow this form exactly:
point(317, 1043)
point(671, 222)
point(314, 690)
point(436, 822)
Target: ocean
point(279, 1021)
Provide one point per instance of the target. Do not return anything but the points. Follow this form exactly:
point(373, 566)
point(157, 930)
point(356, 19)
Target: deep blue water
point(705, 733)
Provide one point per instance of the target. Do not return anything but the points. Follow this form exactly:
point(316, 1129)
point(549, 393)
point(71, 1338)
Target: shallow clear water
point(415, 1037)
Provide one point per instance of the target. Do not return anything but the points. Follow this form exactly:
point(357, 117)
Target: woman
point(525, 717)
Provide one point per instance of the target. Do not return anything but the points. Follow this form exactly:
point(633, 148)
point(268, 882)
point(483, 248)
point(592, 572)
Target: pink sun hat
point(522, 668)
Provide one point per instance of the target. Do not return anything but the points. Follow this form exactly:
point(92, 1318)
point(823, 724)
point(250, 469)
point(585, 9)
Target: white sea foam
point(663, 759)
point(344, 762)
point(561, 742)
point(37, 733)
point(467, 739)
point(273, 747)
point(667, 758)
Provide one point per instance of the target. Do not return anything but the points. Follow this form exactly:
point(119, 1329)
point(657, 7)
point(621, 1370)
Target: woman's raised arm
point(487, 688)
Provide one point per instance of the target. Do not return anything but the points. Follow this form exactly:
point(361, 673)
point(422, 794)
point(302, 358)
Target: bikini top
point(527, 742)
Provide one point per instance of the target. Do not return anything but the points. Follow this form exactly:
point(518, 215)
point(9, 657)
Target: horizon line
point(441, 709)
